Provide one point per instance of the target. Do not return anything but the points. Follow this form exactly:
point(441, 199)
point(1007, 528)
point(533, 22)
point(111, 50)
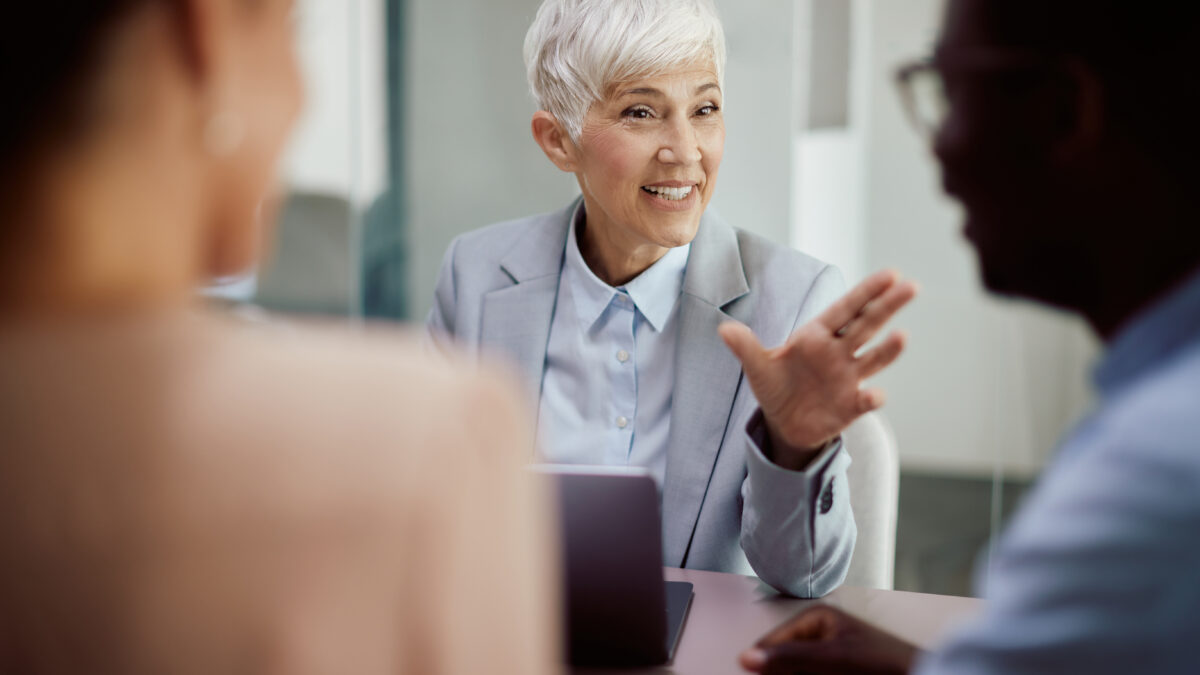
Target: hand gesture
point(824, 639)
point(810, 387)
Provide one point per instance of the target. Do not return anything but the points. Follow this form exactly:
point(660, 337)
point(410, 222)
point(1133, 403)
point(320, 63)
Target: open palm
point(810, 388)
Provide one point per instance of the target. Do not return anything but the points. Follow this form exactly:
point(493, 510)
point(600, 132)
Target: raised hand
point(824, 639)
point(810, 388)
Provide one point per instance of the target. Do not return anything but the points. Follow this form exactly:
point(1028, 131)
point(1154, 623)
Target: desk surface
point(729, 612)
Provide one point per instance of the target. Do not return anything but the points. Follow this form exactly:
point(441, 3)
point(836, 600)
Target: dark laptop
point(619, 610)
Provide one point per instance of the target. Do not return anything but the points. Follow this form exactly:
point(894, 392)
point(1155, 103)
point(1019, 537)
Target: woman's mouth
point(671, 194)
point(671, 198)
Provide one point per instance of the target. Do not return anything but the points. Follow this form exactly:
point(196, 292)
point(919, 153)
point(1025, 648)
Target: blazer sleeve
point(441, 321)
point(798, 531)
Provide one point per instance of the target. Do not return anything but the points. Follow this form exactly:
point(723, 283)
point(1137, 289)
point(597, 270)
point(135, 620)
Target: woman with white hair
point(633, 312)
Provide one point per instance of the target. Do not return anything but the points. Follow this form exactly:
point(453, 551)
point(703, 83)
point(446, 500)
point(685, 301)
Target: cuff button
point(827, 498)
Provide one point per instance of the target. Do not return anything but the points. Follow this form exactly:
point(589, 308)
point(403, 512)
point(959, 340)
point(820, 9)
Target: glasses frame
point(961, 59)
point(905, 75)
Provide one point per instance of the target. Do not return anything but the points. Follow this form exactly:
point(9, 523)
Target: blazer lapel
point(707, 376)
point(516, 319)
point(516, 324)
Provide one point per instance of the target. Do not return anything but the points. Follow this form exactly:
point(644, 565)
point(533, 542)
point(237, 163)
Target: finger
point(870, 400)
point(800, 657)
point(878, 312)
point(810, 624)
point(882, 355)
point(849, 305)
point(753, 659)
point(743, 343)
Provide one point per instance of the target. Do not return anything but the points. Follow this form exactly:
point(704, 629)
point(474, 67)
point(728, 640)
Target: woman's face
point(265, 92)
point(649, 155)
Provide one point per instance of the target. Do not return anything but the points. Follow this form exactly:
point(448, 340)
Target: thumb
point(743, 343)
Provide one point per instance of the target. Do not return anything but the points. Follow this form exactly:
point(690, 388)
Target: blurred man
point(1070, 135)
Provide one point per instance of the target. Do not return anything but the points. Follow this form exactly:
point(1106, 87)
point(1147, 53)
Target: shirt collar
point(654, 291)
point(1151, 337)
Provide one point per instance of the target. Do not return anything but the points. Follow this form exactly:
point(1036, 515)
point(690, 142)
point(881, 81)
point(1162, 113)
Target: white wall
point(339, 145)
point(828, 186)
point(755, 184)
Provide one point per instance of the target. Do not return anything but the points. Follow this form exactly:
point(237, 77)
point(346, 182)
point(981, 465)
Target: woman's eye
point(707, 109)
point(638, 113)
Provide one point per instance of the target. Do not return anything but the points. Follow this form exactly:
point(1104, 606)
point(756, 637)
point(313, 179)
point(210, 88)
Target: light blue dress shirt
point(610, 365)
point(1100, 571)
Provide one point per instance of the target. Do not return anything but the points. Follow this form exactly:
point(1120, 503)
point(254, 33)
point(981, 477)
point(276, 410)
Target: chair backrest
point(874, 477)
point(313, 267)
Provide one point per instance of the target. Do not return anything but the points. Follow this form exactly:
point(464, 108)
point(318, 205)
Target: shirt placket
point(624, 379)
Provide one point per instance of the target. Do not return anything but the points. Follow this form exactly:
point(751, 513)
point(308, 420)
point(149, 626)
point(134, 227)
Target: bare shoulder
point(318, 362)
point(291, 483)
point(350, 399)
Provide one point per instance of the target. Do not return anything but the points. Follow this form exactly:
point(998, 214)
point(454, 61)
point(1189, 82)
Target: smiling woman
point(613, 308)
point(647, 160)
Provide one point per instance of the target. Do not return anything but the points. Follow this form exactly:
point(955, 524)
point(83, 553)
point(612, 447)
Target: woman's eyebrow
point(642, 91)
point(651, 91)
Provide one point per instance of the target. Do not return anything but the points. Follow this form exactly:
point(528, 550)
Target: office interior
point(417, 130)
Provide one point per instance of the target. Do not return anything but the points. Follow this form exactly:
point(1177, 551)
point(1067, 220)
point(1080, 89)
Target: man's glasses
point(923, 96)
point(922, 87)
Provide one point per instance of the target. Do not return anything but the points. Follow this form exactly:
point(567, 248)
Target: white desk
point(729, 612)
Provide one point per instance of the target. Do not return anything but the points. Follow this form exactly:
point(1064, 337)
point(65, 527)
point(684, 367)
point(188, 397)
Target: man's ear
point(1084, 115)
point(553, 139)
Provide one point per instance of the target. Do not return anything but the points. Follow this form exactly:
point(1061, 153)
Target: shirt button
point(622, 422)
point(622, 356)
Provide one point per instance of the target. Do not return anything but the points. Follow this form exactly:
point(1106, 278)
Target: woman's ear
point(554, 141)
point(198, 37)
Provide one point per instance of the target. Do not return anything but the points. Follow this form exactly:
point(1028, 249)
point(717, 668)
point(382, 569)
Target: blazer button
point(827, 498)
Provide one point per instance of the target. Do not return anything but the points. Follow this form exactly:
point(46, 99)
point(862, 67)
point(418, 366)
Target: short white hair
point(576, 50)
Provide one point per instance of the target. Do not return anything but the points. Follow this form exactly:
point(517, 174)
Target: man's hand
point(810, 387)
point(823, 639)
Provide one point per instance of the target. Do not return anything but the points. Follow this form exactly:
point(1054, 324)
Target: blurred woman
point(182, 494)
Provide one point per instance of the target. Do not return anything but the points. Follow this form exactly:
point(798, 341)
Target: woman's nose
point(681, 145)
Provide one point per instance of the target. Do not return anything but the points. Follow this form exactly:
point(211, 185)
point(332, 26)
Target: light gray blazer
point(725, 506)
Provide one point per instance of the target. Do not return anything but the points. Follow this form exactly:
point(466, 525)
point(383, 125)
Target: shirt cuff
point(757, 461)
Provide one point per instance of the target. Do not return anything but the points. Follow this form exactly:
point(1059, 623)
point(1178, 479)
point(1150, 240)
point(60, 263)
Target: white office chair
point(312, 266)
point(874, 478)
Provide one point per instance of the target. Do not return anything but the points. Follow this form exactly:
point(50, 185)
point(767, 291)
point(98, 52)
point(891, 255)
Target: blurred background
point(417, 129)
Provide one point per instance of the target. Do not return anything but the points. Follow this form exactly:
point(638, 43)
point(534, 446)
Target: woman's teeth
point(670, 193)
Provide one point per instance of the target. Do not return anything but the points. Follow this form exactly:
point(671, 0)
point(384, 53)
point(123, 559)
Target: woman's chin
point(676, 234)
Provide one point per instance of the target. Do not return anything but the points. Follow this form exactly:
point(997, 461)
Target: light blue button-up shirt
point(1099, 571)
point(610, 365)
